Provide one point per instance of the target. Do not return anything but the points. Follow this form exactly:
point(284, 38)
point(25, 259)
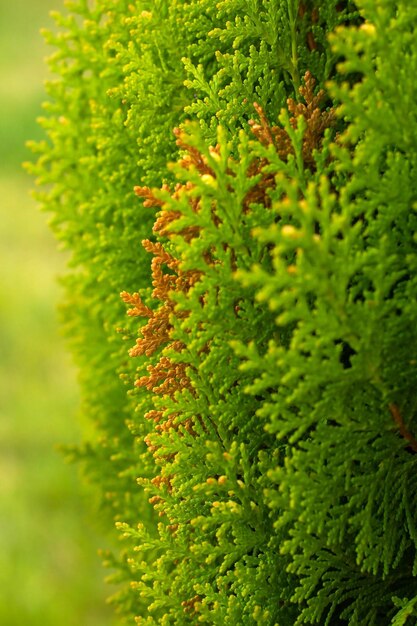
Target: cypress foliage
point(271, 427)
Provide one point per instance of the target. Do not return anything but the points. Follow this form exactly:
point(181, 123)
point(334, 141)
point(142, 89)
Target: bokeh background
point(50, 570)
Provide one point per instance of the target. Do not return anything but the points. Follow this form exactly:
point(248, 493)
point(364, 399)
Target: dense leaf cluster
point(261, 468)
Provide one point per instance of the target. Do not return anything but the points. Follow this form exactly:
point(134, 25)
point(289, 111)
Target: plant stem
point(295, 73)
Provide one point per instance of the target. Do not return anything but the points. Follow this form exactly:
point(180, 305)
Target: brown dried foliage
point(166, 377)
point(317, 121)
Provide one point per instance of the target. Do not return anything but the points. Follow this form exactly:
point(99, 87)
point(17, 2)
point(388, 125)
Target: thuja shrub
point(128, 73)
point(243, 173)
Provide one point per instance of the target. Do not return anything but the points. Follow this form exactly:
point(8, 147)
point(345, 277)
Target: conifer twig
point(404, 432)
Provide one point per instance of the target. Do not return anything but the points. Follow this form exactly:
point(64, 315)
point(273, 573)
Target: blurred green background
point(50, 572)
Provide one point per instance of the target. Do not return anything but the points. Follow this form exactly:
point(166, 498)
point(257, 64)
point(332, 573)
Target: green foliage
point(271, 427)
point(346, 374)
point(262, 52)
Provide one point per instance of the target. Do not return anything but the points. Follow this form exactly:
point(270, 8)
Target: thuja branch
point(404, 432)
